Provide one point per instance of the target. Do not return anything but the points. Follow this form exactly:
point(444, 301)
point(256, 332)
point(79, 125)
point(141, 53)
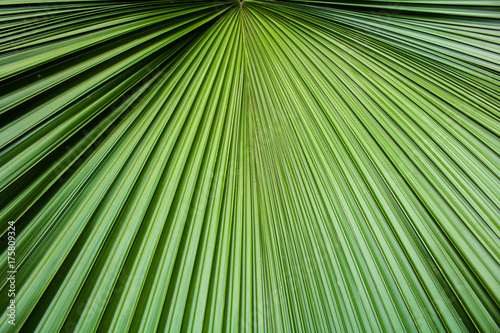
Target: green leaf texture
point(260, 166)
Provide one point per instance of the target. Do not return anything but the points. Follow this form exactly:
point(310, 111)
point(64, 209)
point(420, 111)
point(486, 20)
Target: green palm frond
point(274, 166)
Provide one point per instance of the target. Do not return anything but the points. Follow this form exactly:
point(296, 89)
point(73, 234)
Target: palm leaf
point(255, 165)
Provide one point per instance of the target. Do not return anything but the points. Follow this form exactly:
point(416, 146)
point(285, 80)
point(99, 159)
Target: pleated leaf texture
point(255, 166)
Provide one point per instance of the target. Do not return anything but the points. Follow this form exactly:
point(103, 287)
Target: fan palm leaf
point(250, 166)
